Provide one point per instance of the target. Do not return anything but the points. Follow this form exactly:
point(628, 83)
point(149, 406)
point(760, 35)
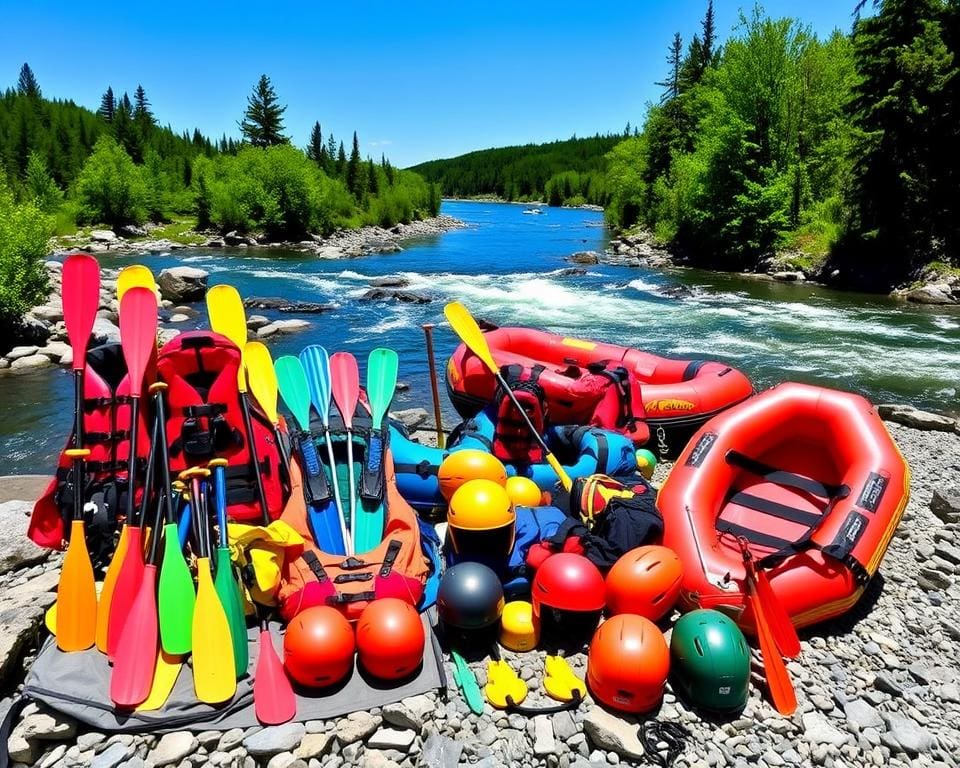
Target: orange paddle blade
point(781, 627)
point(106, 592)
point(778, 678)
point(76, 595)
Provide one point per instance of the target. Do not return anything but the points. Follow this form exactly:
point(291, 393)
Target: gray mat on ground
point(77, 684)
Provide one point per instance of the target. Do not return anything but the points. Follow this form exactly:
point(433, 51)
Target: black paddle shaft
point(161, 411)
point(149, 479)
point(248, 423)
point(523, 414)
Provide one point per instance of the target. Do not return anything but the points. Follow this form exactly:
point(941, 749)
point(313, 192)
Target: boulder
point(914, 417)
point(389, 282)
point(613, 734)
point(105, 332)
point(28, 330)
point(570, 272)
point(285, 305)
point(406, 297)
point(30, 362)
point(330, 252)
point(935, 293)
point(178, 318)
point(585, 257)
point(103, 236)
point(235, 239)
point(214, 242)
point(789, 277)
point(17, 352)
point(275, 739)
point(21, 613)
point(16, 550)
point(131, 230)
point(945, 504)
point(58, 351)
point(282, 326)
point(49, 313)
point(411, 418)
point(183, 283)
point(254, 322)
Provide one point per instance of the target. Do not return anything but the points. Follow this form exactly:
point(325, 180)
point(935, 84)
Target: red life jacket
point(512, 440)
point(205, 421)
point(106, 427)
point(620, 408)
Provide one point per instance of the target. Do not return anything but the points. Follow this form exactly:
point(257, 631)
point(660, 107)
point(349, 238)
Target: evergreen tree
point(262, 124)
point(126, 103)
point(108, 106)
point(674, 61)
point(707, 51)
point(341, 161)
point(331, 149)
point(141, 110)
point(354, 178)
point(373, 183)
point(316, 149)
point(126, 132)
point(27, 84)
point(42, 190)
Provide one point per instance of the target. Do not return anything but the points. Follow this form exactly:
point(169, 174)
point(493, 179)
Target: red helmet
point(628, 663)
point(568, 595)
point(645, 581)
point(390, 639)
point(318, 647)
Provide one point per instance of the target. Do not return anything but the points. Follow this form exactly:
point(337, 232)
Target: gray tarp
point(77, 684)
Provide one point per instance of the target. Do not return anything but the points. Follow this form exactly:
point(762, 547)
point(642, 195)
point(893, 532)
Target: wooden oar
point(470, 334)
point(214, 674)
point(76, 591)
point(428, 335)
point(138, 337)
point(228, 317)
point(273, 699)
point(778, 678)
point(345, 386)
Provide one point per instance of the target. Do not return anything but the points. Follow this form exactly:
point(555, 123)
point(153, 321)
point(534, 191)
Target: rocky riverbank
point(933, 286)
point(880, 687)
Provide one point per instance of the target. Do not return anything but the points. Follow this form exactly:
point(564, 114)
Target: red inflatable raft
point(808, 479)
point(673, 397)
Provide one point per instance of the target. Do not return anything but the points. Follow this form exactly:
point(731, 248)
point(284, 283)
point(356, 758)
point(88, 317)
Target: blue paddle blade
point(325, 525)
point(316, 364)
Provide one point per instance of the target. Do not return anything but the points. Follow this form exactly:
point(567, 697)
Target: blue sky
point(417, 80)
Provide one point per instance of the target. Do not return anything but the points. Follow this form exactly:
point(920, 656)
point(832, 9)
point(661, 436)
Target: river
point(505, 267)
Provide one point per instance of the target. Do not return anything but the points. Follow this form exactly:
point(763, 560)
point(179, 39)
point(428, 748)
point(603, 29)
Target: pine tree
point(141, 110)
point(125, 132)
point(331, 150)
point(341, 161)
point(316, 149)
point(709, 36)
point(674, 60)
point(108, 106)
point(27, 84)
point(373, 183)
point(354, 179)
point(262, 124)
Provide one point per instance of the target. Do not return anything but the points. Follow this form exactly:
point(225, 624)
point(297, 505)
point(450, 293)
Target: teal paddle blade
point(294, 388)
point(382, 367)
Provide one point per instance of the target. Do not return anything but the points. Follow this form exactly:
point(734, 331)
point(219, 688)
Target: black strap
point(393, 549)
point(786, 478)
point(6, 728)
point(757, 537)
point(775, 509)
point(313, 563)
point(424, 469)
point(204, 409)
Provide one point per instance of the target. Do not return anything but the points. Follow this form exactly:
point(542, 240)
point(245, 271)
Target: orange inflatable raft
point(673, 397)
point(808, 479)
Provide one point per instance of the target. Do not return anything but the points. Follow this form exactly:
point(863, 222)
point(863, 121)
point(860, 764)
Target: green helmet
point(710, 661)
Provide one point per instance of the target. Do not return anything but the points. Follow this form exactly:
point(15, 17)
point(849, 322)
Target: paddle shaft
point(254, 457)
point(428, 334)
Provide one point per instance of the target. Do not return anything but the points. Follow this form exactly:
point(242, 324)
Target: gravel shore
point(879, 687)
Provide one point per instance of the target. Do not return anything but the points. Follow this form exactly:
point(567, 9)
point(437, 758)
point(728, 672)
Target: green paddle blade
point(294, 388)
point(381, 382)
point(467, 683)
point(176, 596)
point(227, 590)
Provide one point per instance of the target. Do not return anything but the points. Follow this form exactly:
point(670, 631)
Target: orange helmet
point(628, 663)
point(318, 647)
point(645, 581)
point(469, 464)
point(390, 639)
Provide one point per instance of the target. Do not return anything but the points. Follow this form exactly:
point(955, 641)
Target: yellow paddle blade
point(50, 619)
point(76, 595)
point(109, 582)
point(214, 676)
point(165, 676)
point(263, 378)
point(134, 276)
point(560, 681)
point(228, 318)
point(503, 686)
point(470, 334)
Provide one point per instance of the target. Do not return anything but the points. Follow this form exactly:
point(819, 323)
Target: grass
point(177, 231)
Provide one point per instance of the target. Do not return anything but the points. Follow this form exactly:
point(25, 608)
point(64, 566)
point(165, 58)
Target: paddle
point(264, 385)
point(296, 394)
point(428, 334)
point(381, 382)
point(781, 627)
point(778, 679)
point(273, 699)
point(316, 365)
point(345, 387)
point(470, 334)
point(135, 656)
point(76, 591)
point(225, 581)
point(467, 683)
point(165, 675)
point(227, 317)
point(133, 276)
point(214, 674)
point(138, 337)
point(176, 596)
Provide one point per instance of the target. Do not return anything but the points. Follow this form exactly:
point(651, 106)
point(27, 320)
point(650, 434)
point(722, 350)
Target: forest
point(64, 166)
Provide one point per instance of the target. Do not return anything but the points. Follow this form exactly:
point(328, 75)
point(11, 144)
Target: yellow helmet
point(523, 492)
point(517, 629)
point(481, 520)
point(469, 464)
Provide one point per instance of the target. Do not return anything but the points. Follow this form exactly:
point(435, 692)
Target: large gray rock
point(275, 739)
point(131, 230)
point(114, 755)
point(392, 738)
point(935, 293)
point(613, 734)
point(58, 351)
point(21, 613)
point(915, 418)
point(441, 751)
point(387, 294)
point(31, 362)
point(410, 713)
point(905, 735)
point(818, 730)
point(28, 330)
point(585, 257)
point(22, 351)
point(173, 747)
point(356, 726)
point(313, 745)
point(16, 550)
point(286, 305)
point(282, 326)
point(182, 283)
point(103, 236)
point(105, 331)
point(411, 418)
point(945, 504)
point(389, 282)
point(49, 313)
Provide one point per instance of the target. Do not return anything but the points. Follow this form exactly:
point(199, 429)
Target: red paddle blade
point(81, 298)
point(273, 699)
point(126, 588)
point(345, 383)
point(778, 679)
point(781, 627)
point(138, 332)
point(136, 653)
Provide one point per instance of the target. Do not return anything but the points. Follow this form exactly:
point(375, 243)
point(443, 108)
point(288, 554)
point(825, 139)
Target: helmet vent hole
point(696, 644)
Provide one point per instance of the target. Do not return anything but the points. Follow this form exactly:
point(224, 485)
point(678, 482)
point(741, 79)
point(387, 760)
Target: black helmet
point(470, 601)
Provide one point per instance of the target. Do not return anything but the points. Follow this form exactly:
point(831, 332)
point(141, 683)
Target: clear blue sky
point(417, 80)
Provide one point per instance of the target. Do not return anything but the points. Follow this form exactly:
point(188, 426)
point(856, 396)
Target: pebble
point(905, 735)
point(115, 754)
point(356, 726)
point(230, 739)
point(173, 747)
point(275, 739)
point(392, 738)
point(544, 742)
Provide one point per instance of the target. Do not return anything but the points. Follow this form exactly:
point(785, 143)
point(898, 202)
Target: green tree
point(262, 124)
point(671, 85)
point(41, 189)
point(317, 149)
point(24, 232)
point(141, 110)
point(341, 162)
point(156, 182)
point(373, 182)
point(27, 84)
point(354, 175)
point(331, 152)
point(110, 188)
point(108, 105)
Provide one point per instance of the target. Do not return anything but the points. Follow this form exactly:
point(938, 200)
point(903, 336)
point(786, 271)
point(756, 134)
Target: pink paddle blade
point(273, 699)
point(138, 332)
point(136, 652)
point(81, 298)
point(345, 383)
point(126, 588)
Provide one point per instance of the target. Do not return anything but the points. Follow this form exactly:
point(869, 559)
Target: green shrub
point(110, 189)
point(24, 232)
